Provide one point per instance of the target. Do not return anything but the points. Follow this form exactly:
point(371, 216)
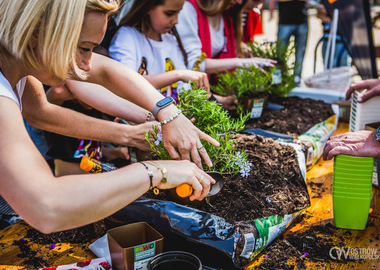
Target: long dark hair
point(138, 18)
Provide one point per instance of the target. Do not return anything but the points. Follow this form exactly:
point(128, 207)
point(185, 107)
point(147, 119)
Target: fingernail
point(360, 99)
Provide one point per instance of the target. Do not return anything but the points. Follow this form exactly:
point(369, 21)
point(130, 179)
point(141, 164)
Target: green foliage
point(245, 82)
point(284, 55)
point(214, 121)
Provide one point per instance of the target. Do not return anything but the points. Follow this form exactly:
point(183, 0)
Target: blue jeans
point(300, 32)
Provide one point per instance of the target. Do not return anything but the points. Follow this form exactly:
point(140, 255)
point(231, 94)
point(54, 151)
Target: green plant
point(244, 82)
point(214, 121)
point(284, 55)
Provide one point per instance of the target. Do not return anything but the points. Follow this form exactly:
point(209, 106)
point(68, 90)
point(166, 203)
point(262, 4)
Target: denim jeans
point(300, 32)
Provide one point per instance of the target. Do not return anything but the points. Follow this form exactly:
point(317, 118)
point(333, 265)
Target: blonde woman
point(49, 39)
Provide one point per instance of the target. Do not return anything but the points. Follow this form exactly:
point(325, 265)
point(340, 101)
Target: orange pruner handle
point(184, 190)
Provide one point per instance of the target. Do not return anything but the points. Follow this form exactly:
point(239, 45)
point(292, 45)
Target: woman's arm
point(67, 122)
point(181, 137)
point(53, 204)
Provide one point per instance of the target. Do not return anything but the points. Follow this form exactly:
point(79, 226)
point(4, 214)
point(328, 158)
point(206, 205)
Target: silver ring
point(200, 147)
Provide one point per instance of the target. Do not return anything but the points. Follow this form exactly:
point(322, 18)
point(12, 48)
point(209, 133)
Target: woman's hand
point(200, 78)
point(182, 139)
point(362, 144)
point(180, 172)
point(372, 86)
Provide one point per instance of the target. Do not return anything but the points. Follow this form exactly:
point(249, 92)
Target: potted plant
point(283, 78)
point(251, 85)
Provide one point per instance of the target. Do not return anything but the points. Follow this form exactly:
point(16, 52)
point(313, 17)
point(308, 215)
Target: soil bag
point(240, 240)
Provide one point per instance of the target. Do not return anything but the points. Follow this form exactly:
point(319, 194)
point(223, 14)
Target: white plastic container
point(363, 113)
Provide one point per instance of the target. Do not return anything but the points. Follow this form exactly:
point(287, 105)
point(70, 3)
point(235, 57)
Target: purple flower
point(297, 79)
point(306, 254)
point(268, 200)
point(51, 246)
point(159, 138)
point(265, 256)
point(341, 243)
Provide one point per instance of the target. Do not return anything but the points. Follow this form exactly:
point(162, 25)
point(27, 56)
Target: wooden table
point(320, 212)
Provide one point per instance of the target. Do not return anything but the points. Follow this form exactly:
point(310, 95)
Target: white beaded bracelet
point(171, 118)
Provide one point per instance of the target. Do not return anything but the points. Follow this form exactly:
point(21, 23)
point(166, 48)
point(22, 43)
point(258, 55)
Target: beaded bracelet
point(148, 117)
point(171, 118)
point(150, 174)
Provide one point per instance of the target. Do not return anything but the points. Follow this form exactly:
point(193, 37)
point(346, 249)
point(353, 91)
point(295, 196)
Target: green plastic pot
point(366, 190)
point(350, 212)
point(355, 160)
point(350, 185)
point(351, 204)
point(364, 195)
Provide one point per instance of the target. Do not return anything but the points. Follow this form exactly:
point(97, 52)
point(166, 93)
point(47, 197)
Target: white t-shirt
point(147, 56)
point(188, 31)
point(7, 91)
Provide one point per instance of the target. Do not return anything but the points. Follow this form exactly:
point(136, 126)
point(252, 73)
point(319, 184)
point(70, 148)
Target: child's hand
point(200, 78)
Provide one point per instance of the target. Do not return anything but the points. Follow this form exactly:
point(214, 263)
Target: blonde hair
point(42, 33)
point(102, 6)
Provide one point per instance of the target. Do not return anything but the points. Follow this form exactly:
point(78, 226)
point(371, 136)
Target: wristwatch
point(378, 134)
point(162, 104)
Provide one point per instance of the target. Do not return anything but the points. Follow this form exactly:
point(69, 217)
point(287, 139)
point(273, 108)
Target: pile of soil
point(297, 116)
point(275, 185)
point(313, 244)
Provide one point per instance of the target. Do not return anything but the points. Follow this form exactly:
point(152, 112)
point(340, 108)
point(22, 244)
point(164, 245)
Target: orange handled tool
point(185, 190)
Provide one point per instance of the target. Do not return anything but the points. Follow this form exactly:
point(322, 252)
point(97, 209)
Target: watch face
point(378, 134)
point(165, 101)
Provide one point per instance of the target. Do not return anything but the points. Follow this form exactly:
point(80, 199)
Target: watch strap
point(157, 108)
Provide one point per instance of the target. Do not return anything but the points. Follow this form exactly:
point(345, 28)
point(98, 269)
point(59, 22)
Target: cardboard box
point(132, 246)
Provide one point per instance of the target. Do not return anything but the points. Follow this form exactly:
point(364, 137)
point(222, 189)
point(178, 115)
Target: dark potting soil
point(313, 244)
point(297, 116)
point(275, 185)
